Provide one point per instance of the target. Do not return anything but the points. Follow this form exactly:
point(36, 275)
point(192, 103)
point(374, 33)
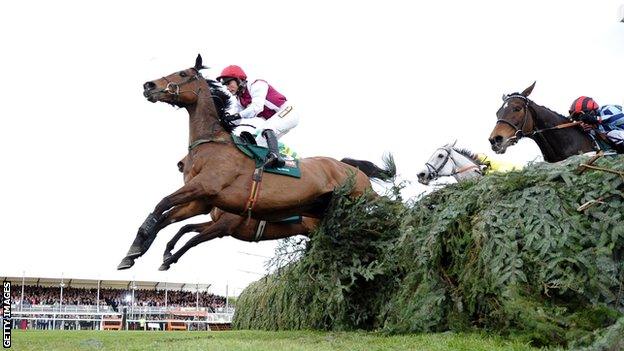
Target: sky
point(85, 158)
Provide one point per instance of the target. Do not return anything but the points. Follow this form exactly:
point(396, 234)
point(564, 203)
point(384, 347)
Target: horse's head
point(180, 88)
point(514, 120)
point(439, 164)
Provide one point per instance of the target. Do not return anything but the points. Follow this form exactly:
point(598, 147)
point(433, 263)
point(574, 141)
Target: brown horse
point(557, 137)
point(239, 227)
point(228, 224)
point(220, 175)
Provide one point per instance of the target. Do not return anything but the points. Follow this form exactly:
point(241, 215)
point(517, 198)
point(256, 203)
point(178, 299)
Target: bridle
point(519, 130)
point(520, 133)
point(173, 88)
point(435, 171)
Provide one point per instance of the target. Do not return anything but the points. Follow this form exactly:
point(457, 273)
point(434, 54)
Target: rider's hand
point(587, 127)
point(589, 119)
point(231, 118)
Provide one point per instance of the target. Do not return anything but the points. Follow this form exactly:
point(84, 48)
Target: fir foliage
point(509, 254)
point(337, 282)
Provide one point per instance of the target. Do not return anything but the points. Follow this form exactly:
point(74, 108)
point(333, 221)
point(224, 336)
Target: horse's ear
point(504, 97)
point(453, 143)
point(528, 90)
point(198, 63)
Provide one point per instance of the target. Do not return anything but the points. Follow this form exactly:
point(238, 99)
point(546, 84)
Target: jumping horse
point(220, 175)
point(557, 137)
point(239, 227)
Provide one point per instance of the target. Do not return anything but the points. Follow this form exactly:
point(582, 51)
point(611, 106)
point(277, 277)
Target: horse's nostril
point(498, 139)
point(492, 141)
point(149, 86)
point(421, 175)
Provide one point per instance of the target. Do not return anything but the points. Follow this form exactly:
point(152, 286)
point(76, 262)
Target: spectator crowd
point(39, 295)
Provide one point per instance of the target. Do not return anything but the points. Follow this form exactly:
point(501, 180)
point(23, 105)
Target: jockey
point(261, 107)
point(608, 119)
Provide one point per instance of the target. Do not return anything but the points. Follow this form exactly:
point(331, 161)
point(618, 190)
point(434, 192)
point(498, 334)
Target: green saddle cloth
point(289, 220)
point(259, 154)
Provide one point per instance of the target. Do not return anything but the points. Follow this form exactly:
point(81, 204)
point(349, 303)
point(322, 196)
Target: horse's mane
point(549, 110)
point(220, 97)
point(538, 105)
point(471, 155)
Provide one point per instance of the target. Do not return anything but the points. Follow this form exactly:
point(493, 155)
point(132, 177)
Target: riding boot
point(274, 160)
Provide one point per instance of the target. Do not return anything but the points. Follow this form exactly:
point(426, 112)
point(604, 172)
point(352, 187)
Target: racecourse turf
point(253, 340)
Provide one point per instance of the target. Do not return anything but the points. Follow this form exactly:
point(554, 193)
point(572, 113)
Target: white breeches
point(616, 136)
point(281, 123)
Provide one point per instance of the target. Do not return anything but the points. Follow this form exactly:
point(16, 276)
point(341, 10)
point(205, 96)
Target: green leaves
point(514, 238)
point(509, 254)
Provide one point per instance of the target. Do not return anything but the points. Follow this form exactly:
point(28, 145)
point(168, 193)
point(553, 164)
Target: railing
point(91, 309)
point(99, 323)
point(86, 313)
point(62, 309)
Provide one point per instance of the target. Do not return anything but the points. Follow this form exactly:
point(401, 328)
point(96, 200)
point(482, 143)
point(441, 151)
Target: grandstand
point(75, 304)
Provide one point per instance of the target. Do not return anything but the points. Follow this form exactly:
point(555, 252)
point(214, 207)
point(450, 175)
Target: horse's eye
point(183, 74)
point(440, 155)
point(517, 109)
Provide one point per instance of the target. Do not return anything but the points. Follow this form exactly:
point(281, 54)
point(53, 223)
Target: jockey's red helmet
point(582, 105)
point(232, 71)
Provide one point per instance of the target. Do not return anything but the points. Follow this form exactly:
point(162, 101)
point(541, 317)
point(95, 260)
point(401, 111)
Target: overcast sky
point(85, 157)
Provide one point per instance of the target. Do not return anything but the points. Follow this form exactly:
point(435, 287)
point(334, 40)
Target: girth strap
point(260, 230)
point(256, 180)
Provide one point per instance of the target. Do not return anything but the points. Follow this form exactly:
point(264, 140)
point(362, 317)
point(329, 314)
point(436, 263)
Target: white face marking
point(506, 104)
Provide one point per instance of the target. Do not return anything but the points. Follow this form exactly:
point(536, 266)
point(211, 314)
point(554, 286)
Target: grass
point(254, 340)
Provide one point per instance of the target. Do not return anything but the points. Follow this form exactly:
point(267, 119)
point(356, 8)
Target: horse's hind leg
point(225, 226)
point(189, 228)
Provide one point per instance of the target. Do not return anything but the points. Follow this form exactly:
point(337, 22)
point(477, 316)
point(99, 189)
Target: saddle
point(247, 145)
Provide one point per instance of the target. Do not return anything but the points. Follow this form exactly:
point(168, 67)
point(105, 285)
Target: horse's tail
point(372, 171)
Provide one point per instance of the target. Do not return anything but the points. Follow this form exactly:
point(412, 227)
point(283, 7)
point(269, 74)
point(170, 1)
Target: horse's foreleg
point(189, 228)
point(182, 212)
point(155, 221)
point(177, 214)
point(223, 227)
point(189, 192)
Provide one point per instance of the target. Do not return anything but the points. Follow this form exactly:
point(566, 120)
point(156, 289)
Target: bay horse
point(557, 137)
point(220, 175)
point(224, 224)
point(449, 160)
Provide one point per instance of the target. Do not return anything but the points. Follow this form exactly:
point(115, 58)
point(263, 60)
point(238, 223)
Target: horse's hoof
point(126, 263)
point(163, 267)
point(134, 254)
point(135, 251)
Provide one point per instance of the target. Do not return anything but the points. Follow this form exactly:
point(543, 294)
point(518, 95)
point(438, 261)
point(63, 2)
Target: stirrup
point(274, 161)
